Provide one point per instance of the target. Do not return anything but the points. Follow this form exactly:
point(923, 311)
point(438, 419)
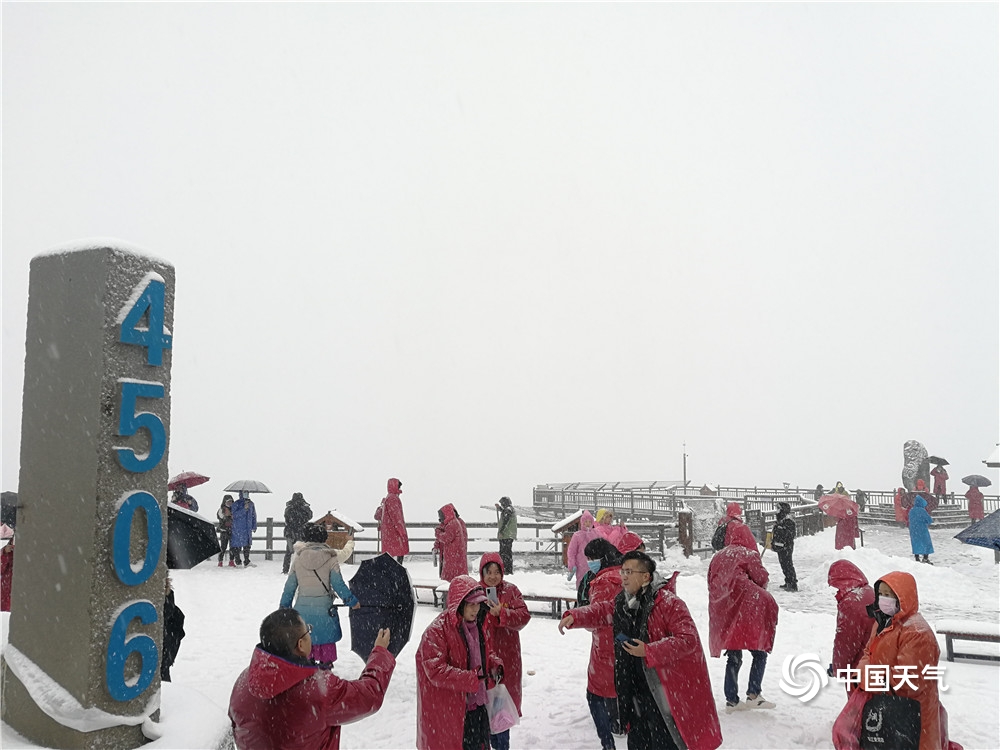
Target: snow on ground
point(224, 608)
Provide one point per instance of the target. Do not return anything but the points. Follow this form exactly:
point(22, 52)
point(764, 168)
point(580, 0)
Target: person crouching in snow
point(507, 615)
point(285, 700)
point(854, 624)
point(741, 614)
point(456, 664)
point(664, 692)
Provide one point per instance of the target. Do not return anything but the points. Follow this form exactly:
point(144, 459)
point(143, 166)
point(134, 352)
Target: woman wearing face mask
point(903, 639)
point(605, 562)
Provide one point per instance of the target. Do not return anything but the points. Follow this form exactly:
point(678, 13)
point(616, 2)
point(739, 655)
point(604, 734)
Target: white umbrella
point(247, 485)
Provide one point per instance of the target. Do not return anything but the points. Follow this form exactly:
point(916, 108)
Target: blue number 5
point(129, 423)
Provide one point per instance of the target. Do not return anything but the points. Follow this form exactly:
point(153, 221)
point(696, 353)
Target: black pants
point(507, 555)
point(286, 563)
point(648, 731)
point(246, 554)
point(787, 569)
point(224, 537)
point(477, 730)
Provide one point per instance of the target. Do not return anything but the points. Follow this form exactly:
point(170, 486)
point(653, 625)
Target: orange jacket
point(908, 641)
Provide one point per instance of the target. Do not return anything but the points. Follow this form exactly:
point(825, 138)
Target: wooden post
point(269, 541)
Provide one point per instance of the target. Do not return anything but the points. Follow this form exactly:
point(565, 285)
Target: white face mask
point(888, 605)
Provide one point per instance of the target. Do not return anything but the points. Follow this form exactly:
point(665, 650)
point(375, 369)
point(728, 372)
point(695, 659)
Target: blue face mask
point(594, 565)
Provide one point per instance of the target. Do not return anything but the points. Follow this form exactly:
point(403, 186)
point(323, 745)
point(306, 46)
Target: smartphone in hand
point(622, 638)
point(491, 595)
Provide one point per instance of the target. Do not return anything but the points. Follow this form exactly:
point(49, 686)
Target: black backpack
point(719, 537)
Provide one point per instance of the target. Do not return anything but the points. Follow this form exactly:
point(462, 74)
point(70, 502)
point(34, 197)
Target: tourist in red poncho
point(854, 624)
point(389, 514)
point(975, 498)
point(507, 615)
point(456, 665)
point(604, 561)
point(940, 478)
point(900, 505)
point(451, 541)
point(741, 614)
point(665, 694)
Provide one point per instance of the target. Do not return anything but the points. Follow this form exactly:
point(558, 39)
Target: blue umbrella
point(985, 533)
point(385, 592)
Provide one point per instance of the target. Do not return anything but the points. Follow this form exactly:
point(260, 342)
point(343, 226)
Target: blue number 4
point(147, 303)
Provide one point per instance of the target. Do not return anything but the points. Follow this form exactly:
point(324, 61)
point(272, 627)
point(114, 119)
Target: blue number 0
point(130, 422)
point(120, 646)
point(146, 302)
point(121, 553)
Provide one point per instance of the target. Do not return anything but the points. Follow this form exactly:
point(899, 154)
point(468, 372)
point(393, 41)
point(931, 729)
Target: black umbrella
point(976, 480)
point(385, 591)
point(938, 461)
point(190, 538)
point(985, 533)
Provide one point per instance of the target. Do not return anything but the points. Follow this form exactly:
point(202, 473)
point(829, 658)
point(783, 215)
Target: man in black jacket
point(783, 542)
point(297, 515)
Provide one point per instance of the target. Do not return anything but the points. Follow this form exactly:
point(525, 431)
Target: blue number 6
point(120, 647)
point(130, 422)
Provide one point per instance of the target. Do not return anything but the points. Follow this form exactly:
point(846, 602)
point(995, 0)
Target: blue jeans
point(500, 741)
point(602, 720)
point(735, 661)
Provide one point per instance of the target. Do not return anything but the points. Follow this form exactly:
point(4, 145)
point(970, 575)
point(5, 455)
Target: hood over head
point(448, 511)
point(630, 541)
point(921, 485)
point(491, 557)
point(394, 486)
point(586, 520)
point(740, 535)
point(733, 510)
point(459, 588)
point(844, 575)
point(904, 586)
point(919, 502)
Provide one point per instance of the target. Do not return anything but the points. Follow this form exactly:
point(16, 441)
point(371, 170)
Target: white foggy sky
point(481, 247)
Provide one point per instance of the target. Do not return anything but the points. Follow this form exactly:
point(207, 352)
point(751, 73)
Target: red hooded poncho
point(395, 542)
point(854, 625)
point(451, 540)
point(443, 674)
point(280, 705)
point(514, 615)
point(741, 613)
point(975, 498)
point(601, 672)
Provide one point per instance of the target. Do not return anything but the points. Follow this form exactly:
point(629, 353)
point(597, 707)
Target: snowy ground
point(224, 608)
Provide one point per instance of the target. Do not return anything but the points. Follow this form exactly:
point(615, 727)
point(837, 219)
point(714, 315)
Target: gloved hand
point(572, 572)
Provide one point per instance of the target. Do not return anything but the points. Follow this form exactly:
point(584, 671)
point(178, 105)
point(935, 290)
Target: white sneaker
point(738, 706)
point(758, 702)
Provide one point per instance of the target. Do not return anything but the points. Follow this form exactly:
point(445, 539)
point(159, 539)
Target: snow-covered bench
point(968, 630)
